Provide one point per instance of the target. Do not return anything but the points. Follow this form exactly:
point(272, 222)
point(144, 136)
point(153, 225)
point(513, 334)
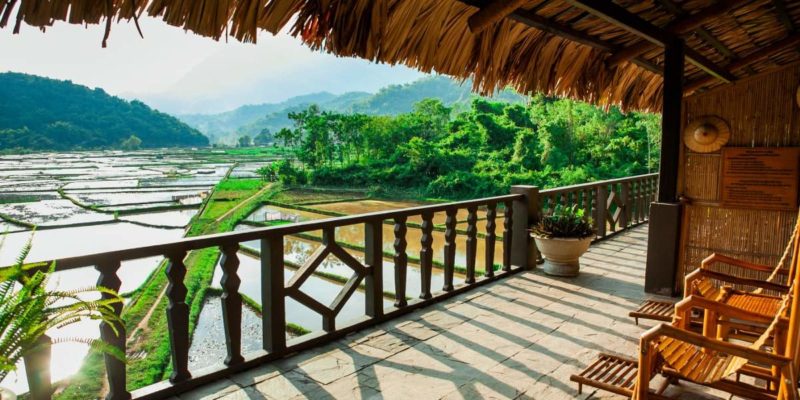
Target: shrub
point(565, 222)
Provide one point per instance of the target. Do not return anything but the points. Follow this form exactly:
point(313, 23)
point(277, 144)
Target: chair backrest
point(789, 255)
point(793, 334)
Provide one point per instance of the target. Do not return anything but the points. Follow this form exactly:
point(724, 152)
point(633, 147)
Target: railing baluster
point(602, 208)
point(507, 236)
point(231, 303)
point(449, 249)
point(625, 214)
point(426, 255)
point(115, 368)
point(273, 316)
point(587, 202)
point(373, 256)
point(400, 262)
point(178, 317)
point(491, 214)
point(639, 202)
point(472, 243)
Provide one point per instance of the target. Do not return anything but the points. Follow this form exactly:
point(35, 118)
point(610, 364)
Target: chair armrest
point(723, 309)
point(734, 280)
point(719, 258)
point(699, 340)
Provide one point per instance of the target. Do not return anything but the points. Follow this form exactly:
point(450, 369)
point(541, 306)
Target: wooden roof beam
point(743, 62)
point(492, 13)
point(534, 20)
point(680, 26)
point(701, 32)
point(621, 17)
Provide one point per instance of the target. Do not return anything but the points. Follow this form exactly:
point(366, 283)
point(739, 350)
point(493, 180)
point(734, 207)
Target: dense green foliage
point(45, 114)
point(251, 120)
point(565, 222)
point(482, 151)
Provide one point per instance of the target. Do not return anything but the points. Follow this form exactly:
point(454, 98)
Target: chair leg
point(642, 387)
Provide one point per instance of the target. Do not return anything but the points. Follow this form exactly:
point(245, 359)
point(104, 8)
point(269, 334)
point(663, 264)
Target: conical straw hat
point(706, 134)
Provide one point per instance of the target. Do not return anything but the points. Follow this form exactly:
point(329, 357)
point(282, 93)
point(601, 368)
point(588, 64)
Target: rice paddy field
point(71, 204)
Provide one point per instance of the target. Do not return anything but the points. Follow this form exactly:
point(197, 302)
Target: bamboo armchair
point(708, 360)
point(708, 281)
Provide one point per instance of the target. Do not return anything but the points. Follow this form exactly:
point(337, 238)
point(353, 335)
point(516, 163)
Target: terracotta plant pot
point(6, 394)
point(562, 255)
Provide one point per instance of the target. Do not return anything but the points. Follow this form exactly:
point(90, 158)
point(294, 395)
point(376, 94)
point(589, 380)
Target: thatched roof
point(560, 47)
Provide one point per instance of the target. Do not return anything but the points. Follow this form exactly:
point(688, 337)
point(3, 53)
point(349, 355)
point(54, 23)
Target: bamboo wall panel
point(762, 112)
point(704, 172)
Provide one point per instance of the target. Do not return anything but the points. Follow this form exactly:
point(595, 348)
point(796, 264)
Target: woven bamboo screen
point(762, 112)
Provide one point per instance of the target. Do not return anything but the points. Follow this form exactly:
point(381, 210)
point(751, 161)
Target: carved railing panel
point(616, 204)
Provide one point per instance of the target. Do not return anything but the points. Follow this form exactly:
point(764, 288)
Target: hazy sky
point(182, 72)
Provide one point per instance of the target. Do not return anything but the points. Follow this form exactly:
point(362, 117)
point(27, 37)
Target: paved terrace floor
point(518, 338)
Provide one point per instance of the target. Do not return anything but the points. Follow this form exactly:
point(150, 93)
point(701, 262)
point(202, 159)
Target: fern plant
point(565, 222)
point(28, 310)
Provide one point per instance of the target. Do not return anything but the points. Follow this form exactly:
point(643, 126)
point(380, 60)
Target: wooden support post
point(231, 304)
point(472, 243)
point(400, 262)
point(526, 212)
point(273, 316)
point(373, 258)
point(178, 317)
point(665, 215)
point(426, 256)
point(449, 249)
point(625, 200)
point(491, 237)
point(601, 210)
point(115, 368)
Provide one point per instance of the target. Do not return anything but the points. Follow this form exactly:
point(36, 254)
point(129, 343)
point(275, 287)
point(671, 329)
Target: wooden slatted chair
point(711, 360)
point(709, 282)
point(708, 360)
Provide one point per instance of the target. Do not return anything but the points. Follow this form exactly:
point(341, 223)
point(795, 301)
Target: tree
point(263, 138)
point(268, 173)
point(131, 143)
point(478, 152)
point(245, 141)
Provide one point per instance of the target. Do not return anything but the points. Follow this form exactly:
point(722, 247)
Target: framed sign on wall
point(763, 178)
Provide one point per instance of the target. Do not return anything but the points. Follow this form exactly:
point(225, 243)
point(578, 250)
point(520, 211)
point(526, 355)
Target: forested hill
point(391, 100)
point(39, 113)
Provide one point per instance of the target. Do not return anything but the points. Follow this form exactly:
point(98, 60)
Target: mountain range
point(38, 113)
point(250, 120)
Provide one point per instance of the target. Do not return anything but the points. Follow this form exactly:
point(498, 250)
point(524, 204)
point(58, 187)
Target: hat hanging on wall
point(706, 134)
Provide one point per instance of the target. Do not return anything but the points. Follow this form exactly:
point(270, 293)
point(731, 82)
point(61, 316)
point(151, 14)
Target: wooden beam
point(671, 121)
point(621, 17)
point(492, 13)
point(679, 26)
point(783, 15)
point(743, 62)
point(708, 66)
point(701, 32)
point(534, 20)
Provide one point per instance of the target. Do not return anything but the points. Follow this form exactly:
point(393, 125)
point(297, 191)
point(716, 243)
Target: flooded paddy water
point(93, 202)
point(90, 202)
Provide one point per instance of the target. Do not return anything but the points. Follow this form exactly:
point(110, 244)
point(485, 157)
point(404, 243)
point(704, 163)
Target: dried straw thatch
point(434, 35)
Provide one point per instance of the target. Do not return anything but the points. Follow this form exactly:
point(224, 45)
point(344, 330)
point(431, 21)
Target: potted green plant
point(28, 309)
point(562, 236)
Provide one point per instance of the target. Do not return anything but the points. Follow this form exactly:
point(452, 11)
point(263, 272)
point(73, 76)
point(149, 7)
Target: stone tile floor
point(518, 338)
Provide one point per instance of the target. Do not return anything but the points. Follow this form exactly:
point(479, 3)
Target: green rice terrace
point(125, 199)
